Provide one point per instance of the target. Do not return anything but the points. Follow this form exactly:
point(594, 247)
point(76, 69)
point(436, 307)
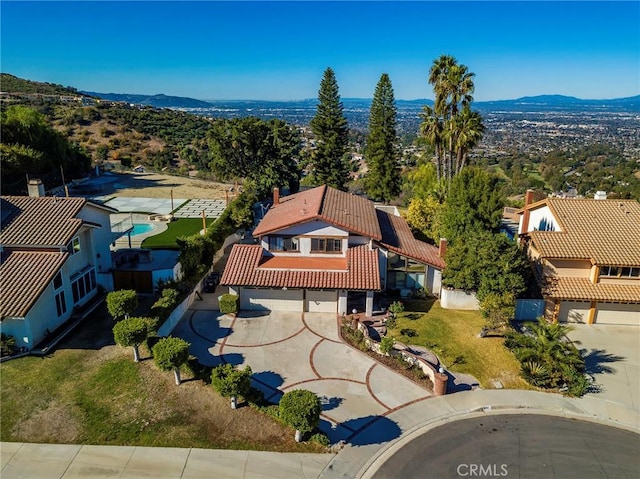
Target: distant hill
point(158, 101)
point(560, 102)
point(13, 84)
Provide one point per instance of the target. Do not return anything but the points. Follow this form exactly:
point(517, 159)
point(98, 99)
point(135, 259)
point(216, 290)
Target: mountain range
point(530, 102)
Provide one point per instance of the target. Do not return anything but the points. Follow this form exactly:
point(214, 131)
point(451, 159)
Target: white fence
point(459, 299)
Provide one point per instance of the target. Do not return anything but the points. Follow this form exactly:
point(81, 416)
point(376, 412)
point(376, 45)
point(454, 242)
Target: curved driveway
point(289, 351)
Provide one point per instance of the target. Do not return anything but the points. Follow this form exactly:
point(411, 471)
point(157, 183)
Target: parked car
point(211, 282)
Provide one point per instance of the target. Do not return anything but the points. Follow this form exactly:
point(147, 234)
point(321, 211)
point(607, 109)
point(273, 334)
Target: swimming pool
point(141, 228)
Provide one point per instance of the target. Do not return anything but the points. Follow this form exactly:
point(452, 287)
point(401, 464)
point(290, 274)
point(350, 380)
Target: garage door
point(271, 300)
point(574, 312)
point(612, 313)
point(321, 301)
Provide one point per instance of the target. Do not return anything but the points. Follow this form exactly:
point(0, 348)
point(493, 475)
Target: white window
point(326, 245)
point(74, 246)
point(283, 243)
point(82, 284)
point(61, 303)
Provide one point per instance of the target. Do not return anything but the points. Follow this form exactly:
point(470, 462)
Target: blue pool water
point(141, 228)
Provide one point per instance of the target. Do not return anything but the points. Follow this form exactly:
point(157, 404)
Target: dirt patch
point(55, 424)
point(155, 185)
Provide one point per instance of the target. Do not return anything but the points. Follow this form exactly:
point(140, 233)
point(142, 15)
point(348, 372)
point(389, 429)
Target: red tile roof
point(351, 212)
point(23, 277)
point(604, 231)
point(41, 222)
point(305, 262)
point(246, 267)
point(583, 289)
point(397, 236)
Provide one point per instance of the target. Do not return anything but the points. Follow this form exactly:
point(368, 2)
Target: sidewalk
point(45, 461)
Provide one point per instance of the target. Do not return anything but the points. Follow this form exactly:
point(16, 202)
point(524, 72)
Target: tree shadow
point(596, 360)
point(268, 382)
point(330, 403)
point(371, 430)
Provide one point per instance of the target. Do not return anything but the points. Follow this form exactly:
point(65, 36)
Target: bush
point(386, 345)
point(231, 382)
point(300, 409)
point(170, 354)
point(131, 332)
point(7, 344)
point(122, 303)
point(395, 308)
point(321, 439)
point(228, 303)
point(391, 323)
point(163, 307)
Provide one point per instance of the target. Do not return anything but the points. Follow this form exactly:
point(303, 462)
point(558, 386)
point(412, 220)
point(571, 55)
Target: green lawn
point(90, 391)
point(453, 336)
point(177, 228)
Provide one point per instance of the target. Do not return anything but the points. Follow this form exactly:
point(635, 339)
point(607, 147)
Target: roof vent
point(600, 195)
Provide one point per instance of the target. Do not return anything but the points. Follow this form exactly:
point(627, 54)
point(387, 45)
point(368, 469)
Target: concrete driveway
point(289, 351)
point(612, 357)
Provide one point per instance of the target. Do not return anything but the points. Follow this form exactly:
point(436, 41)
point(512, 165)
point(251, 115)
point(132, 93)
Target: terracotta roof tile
point(397, 236)
point(605, 231)
point(243, 269)
point(23, 277)
point(44, 221)
point(351, 212)
point(583, 289)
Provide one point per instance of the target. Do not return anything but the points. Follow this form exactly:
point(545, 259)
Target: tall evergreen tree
point(329, 125)
point(381, 151)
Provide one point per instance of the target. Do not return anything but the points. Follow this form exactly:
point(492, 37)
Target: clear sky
point(278, 50)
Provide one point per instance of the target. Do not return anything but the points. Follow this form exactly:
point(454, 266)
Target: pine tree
point(332, 136)
point(381, 151)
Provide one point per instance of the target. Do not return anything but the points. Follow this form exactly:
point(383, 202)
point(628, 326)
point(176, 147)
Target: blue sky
point(278, 50)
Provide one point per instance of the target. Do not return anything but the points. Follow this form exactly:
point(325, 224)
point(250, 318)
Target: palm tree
point(469, 130)
point(453, 86)
point(431, 128)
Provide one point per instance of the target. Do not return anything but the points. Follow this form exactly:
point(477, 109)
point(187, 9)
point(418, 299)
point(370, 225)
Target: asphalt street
point(517, 446)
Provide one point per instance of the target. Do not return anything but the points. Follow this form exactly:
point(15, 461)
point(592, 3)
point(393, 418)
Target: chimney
point(35, 188)
point(600, 195)
point(442, 249)
point(276, 196)
point(528, 199)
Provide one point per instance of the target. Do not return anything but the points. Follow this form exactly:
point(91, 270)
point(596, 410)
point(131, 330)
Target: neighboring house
point(54, 255)
point(318, 246)
point(587, 257)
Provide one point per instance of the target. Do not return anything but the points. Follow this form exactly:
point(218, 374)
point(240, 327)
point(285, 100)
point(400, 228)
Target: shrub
point(391, 323)
point(231, 382)
point(300, 409)
point(170, 354)
point(229, 303)
point(395, 308)
point(386, 345)
point(165, 304)
point(320, 438)
point(131, 332)
point(7, 344)
point(122, 303)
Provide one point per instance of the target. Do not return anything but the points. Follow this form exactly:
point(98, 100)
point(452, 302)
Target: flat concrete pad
point(612, 357)
point(127, 204)
point(289, 351)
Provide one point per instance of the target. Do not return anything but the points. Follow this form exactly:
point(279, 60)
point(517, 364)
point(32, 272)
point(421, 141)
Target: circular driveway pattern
point(288, 351)
point(520, 446)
